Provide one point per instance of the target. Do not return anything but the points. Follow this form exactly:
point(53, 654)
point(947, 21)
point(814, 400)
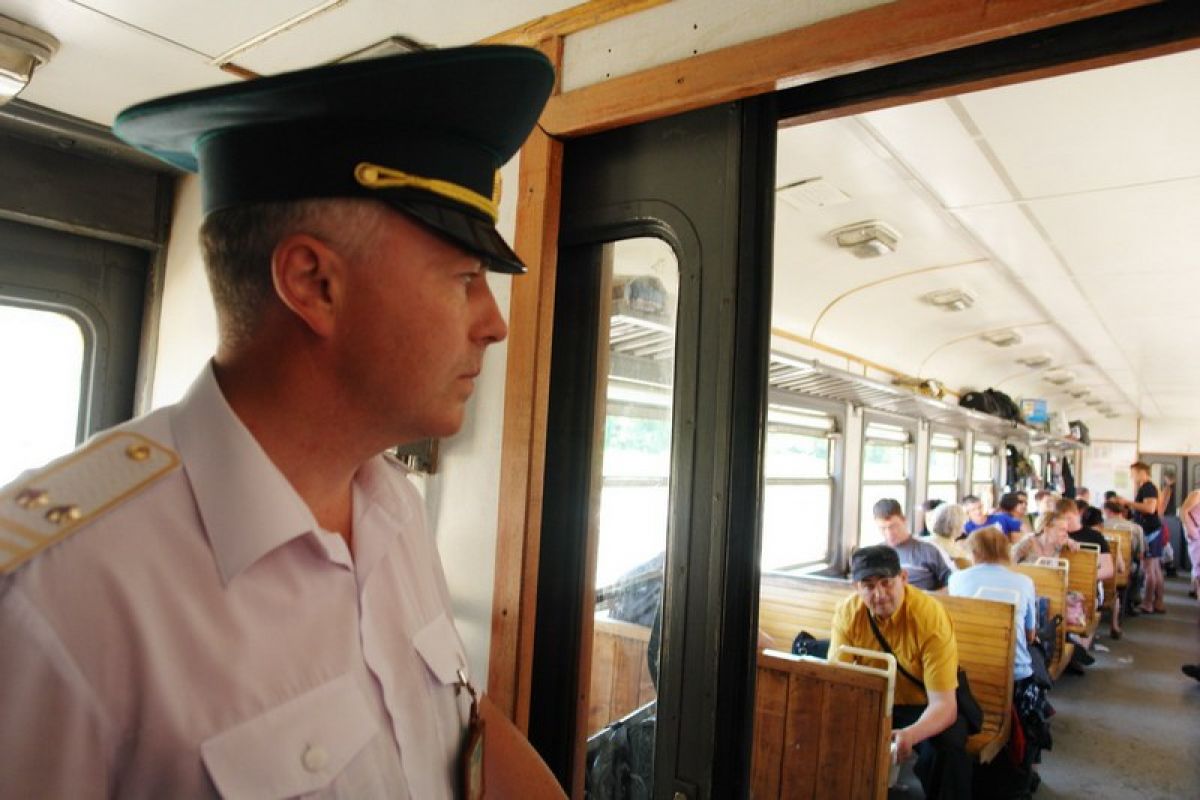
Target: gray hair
point(237, 245)
point(948, 521)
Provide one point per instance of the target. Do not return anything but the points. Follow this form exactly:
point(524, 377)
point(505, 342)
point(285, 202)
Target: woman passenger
point(991, 551)
point(1189, 514)
point(945, 527)
point(1049, 543)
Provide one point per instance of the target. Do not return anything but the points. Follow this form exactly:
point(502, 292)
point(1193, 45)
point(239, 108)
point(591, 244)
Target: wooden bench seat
point(620, 674)
point(1125, 547)
point(1083, 565)
point(821, 729)
point(984, 630)
point(1050, 581)
point(789, 604)
point(986, 634)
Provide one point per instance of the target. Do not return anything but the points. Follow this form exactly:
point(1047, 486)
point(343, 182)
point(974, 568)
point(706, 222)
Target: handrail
point(1095, 548)
point(887, 658)
point(1057, 563)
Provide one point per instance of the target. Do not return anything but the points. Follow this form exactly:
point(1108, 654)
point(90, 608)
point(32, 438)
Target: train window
point(985, 467)
point(46, 349)
point(799, 487)
point(945, 467)
point(887, 451)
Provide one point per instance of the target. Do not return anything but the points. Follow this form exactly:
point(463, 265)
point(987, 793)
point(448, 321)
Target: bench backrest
point(986, 634)
point(620, 679)
point(1083, 565)
point(789, 604)
point(1125, 545)
point(1051, 582)
point(820, 730)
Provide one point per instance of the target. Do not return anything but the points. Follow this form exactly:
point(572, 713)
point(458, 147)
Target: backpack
point(1006, 407)
point(978, 401)
point(1079, 430)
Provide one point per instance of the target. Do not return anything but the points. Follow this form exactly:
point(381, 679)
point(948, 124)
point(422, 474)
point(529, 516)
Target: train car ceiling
point(1058, 208)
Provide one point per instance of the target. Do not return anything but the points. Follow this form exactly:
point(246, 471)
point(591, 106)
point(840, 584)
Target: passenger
point(977, 516)
point(1115, 519)
point(946, 529)
point(1085, 494)
point(1049, 543)
point(1110, 563)
point(1026, 515)
point(1046, 501)
point(1015, 505)
point(1084, 528)
point(917, 630)
point(992, 553)
point(925, 515)
point(1145, 513)
point(248, 601)
point(1189, 514)
point(927, 566)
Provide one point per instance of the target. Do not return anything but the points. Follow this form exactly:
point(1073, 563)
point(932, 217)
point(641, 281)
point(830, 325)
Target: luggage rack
point(643, 345)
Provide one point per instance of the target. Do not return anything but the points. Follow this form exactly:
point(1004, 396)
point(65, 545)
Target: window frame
point(997, 458)
point(911, 427)
point(960, 435)
point(837, 467)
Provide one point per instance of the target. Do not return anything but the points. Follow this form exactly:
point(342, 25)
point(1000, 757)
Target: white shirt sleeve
point(57, 741)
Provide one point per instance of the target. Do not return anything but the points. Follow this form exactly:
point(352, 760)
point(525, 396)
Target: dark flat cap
point(424, 132)
point(877, 561)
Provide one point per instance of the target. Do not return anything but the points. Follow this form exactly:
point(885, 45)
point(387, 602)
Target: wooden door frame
point(881, 36)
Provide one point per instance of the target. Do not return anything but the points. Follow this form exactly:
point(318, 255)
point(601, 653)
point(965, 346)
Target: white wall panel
point(683, 28)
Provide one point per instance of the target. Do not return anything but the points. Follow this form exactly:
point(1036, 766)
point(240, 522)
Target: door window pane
point(41, 357)
point(634, 502)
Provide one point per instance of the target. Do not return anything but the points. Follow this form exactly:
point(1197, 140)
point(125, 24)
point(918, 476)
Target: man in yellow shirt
point(918, 632)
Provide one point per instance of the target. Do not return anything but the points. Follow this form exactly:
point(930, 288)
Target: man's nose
point(490, 326)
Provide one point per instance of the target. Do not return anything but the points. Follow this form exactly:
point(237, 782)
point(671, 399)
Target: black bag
point(968, 706)
point(979, 401)
point(805, 644)
point(1006, 407)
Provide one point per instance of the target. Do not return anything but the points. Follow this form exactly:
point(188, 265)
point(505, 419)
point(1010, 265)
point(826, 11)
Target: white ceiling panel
point(811, 271)
point(1009, 235)
point(1127, 232)
point(359, 23)
point(102, 66)
point(1118, 126)
point(200, 24)
point(931, 140)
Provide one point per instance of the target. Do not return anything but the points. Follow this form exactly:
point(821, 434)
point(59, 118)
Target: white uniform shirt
point(205, 636)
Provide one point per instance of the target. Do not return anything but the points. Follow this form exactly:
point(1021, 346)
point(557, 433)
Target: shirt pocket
point(441, 651)
point(296, 748)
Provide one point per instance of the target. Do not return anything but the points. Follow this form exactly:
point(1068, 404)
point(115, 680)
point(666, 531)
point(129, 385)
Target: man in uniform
point(888, 614)
point(237, 595)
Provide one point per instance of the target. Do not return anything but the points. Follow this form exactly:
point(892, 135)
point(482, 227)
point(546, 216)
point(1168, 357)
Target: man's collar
point(247, 506)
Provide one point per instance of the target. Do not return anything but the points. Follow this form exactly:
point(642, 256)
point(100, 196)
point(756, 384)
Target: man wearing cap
point(886, 613)
point(237, 595)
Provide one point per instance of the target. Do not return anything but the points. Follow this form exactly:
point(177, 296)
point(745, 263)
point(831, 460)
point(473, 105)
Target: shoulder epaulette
point(50, 505)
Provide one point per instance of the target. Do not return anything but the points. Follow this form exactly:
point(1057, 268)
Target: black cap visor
point(473, 234)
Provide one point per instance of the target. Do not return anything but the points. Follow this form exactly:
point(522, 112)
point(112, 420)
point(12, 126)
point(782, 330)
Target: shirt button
point(315, 758)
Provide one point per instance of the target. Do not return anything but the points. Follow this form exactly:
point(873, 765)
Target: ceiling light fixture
point(1093, 401)
point(1036, 362)
point(1079, 393)
point(867, 239)
point(950, 299)
point(1004, 338)
point(22, 50)
point(1059, 377)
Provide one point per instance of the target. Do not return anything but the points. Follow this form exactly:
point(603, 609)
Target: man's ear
point(903, 575)
point(308, 277)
